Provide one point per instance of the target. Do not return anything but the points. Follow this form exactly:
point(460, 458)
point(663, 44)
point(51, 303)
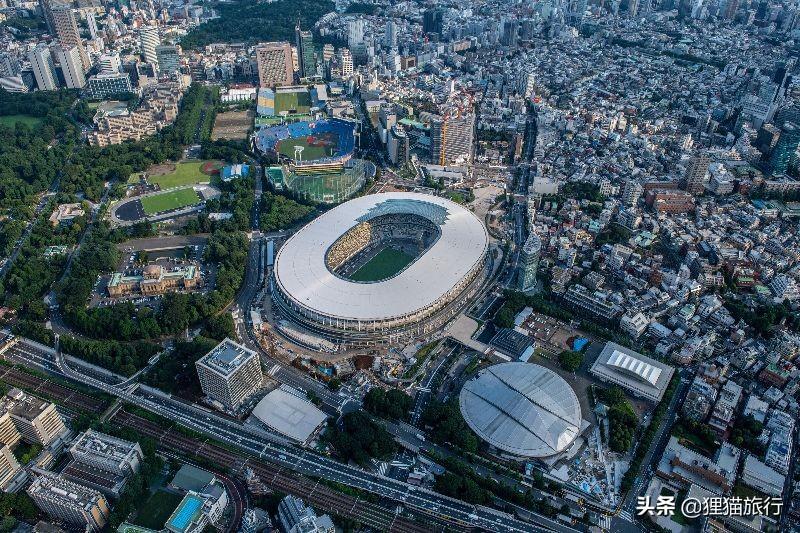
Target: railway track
point(70, 398)
point(314, 492)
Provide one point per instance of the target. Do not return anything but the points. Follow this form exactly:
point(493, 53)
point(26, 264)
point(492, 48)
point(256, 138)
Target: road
point(277, 450)
point(28, 228)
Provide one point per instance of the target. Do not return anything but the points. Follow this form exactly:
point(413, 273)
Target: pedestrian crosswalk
point(626, 515)
point(605, 522)
point(274, 369)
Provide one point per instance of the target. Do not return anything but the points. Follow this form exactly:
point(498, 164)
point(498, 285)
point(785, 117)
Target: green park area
point(184, 174)
point(310, 152)
point(169, 200)
point(384, 264)
point(154, 513)
point(12, 120)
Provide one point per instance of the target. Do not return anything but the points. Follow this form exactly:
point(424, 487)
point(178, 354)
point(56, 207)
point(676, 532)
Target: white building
point(43, 68)
point(37, 420)
point(71, 67)
point(229, 374)
point(640, 375)
point(68, 501)
point(107, 453)
point(761, 477)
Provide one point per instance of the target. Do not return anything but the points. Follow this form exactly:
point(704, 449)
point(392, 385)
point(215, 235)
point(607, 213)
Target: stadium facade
point(316, 159)
point(314, 283)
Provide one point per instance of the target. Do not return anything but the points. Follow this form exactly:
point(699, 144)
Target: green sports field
point(184, 174)
point(11, 120)
point(300, 102)
point(286, 148)
point(385, 264)
point(169, 200)
point(154, 512)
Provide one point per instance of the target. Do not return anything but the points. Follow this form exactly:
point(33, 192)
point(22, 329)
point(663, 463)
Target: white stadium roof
point(521, 408)
point(639, 374)
point(302, 273)
point(289, 415)
point(637, 368)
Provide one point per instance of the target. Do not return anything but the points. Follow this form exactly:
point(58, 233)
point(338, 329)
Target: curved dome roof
point(522, 408)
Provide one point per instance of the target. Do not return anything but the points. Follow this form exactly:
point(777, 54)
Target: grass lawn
point(292, 101)
point(386, 263)
point(155, 511)
point(184, 174)
point(169, 200)
point(286, 147)
point(10, 120)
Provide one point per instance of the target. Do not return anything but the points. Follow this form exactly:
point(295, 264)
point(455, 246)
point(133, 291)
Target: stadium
point(316, 159)
point(380, 269)
point(522, 410)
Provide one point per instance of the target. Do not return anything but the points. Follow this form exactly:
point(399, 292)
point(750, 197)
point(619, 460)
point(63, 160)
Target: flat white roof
point(522, 408)
point(639, 374)
point(289, 415)
point(301, 272)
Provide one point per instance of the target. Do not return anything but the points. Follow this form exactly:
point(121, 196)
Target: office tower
point(306, 62)
point(529, 263)
point(696, 174)
point(784, 155)
point(433, 20)
point(102, 85)
point(355, 32)
point(109, 63)
point(149, 40)
point(67, 32)
point(397, 146)
point(8, 66)
point(346, 62)
point(71, 67)
point(296, 517)
point(452, 137)
point(274, 64)
point(510, 29)
point(47, 7)
point(731, 7)
point(9, 435)
point(37, 420)
point(229, 374)
point(168, 57)
point(633, 9)
point(631, 193)
point(107, 453)
point(390, 35)
point(9, 466)
point(64, 500)
point(526, 84)
point(43, 68)
point(91, 23)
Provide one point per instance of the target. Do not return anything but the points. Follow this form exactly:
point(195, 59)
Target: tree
point(570, 360)
point(360, 439)
point(393, 404)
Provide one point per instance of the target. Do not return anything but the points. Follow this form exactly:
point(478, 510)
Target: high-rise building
point(696, 174)
point(274, 64)
point(397, 145)
point(8, 66)
point(67, 31)
point(328, 51)
point(355, 33)
point(529, 263)
point(168, 57)
point(296, 517)
point(47, 7)
point(784, 154)
point(43, 68)
point(37, 420)
point(102, 85)
point(9, 466)
point(229, 374)
point(453, 137)
point(390, 35)
point(731, 7)
point(9, 434)
point(149, 39)
point(433, 20)
point(71, 67)
point(304, 40)
point(346, 62)
point(64, 500)
point(91, 24)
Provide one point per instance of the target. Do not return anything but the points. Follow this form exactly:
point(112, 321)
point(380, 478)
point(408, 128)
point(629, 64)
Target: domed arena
point(380, 268)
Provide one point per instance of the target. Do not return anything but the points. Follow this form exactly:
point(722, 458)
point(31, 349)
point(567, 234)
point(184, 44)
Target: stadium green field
point(169, 200)
point(385, 264)
point(286, 148)
point(184, 174)
point(299, 102)
point(11, 120)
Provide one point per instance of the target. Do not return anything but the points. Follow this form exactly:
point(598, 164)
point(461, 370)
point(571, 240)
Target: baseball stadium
point(380, 269)
point(316, 159)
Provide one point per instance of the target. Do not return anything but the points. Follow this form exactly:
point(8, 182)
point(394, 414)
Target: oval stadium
point(316, 159)
point(380, 268)
point(522, 410)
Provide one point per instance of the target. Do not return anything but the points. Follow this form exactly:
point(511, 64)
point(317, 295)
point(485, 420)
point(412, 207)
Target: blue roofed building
point(232, 172)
